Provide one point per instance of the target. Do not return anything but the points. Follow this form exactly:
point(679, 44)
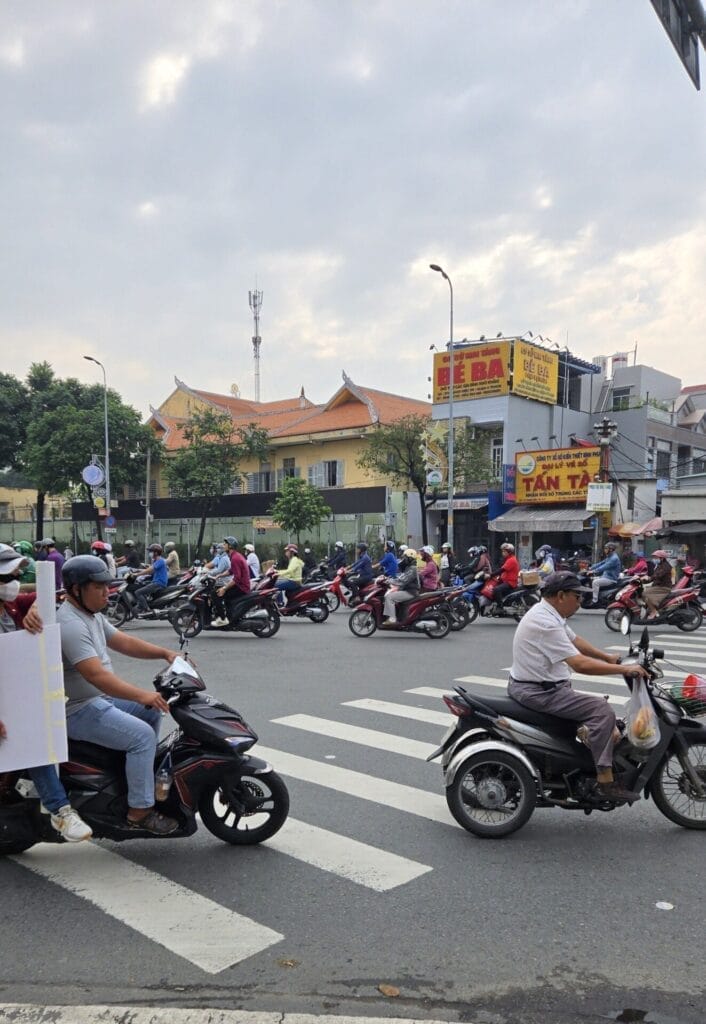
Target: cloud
point(147, 210)
point(161, 79)
point(13, 52)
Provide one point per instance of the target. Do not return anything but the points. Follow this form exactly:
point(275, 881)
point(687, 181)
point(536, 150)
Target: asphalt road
point(557, 924)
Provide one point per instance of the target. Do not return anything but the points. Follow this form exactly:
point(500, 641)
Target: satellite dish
point(235, 391)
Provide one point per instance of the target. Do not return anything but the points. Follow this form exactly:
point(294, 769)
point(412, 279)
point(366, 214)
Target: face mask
point(9, 591)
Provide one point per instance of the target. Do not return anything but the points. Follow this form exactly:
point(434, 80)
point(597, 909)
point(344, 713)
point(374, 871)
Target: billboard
point(555, 475)
point(480, 371)
point(535, 372)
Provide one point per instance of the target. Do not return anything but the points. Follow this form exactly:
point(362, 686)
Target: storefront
point(566, 529)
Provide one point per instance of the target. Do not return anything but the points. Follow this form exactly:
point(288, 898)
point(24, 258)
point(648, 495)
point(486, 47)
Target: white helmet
point(339, 544)
point(169, 546)
point(249, 547)
point(507, 547)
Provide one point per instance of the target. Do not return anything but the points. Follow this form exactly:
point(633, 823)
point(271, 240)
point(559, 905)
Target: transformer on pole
point(255, 300)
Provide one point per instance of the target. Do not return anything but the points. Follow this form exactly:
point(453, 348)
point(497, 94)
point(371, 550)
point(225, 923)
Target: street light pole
point(450, 513)
point(105, 424)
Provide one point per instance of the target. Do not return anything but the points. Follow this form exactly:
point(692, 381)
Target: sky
point(161, 160)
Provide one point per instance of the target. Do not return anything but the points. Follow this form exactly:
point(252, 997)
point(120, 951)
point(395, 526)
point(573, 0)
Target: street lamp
point(105, 423)
point(450, 515)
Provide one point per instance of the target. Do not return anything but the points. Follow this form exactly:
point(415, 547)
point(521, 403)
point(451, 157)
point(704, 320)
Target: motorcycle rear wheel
point(523, 606)
point(116, 613)
point(690, 619)
point(492, 795)
point(362, 623)
point(672, 791)
point(443, 625)
point(186, 621)
point(322, 610)
point(269, 626)
point(262, 795)
point(613, 618)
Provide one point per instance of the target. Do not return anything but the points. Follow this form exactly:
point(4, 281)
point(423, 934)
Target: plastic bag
point(642, 727)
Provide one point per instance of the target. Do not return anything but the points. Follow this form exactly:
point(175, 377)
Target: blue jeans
point(51, 792)
point(122, 725)
point(473, 589)
point(288, 585)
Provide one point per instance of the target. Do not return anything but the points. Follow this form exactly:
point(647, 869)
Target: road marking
point(357, 862)
point(394, 796)
point(385, 707)
point(355, 734)
point(430, 691)
point(26, 1013)
point(187, 924)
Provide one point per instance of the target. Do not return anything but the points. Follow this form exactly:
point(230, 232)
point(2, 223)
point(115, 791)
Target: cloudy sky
point(159, 159)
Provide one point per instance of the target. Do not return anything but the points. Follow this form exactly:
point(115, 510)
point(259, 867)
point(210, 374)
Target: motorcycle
point(513, 606)
point(122, 603)
point(606, 595)
point(203, 767)
point(681, 607)
point(255, 612)
point(426, 613)
point(309, 602)
point(501, 760)
point(343, 590)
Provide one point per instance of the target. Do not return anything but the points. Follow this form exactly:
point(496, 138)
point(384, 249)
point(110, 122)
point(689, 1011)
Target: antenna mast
point(255, 300)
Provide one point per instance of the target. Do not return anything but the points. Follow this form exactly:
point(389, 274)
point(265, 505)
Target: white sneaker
point(69, 825)
point(219, 622)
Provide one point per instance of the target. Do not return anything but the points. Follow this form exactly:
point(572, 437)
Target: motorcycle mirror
point(625, 622)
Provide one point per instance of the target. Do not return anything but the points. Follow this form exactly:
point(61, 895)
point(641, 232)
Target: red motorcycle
point(681, 607)
point(339, 592)
point(426, 613)
point(309, 602)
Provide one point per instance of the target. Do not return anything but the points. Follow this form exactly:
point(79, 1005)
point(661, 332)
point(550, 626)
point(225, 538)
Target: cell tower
point(255, 300)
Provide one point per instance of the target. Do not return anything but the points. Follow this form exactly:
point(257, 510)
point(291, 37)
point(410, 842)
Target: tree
point(209, 466)
point(14, 413)
point(298, 507)
point(472, 463)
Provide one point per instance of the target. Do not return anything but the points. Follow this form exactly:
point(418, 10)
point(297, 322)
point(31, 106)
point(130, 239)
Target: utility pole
point(605, 431)
point(255, 300)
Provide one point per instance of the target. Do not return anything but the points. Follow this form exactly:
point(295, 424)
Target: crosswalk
point(150, 903)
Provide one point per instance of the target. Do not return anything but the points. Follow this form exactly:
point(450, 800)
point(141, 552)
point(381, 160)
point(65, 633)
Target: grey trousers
point(593, 712)
point(392, 599)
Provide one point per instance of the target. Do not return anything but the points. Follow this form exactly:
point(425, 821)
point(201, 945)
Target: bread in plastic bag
point(642, 726)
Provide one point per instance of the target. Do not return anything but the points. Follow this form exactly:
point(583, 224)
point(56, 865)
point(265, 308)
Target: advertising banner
point(599, 497)
point(555, 475)
point(535, 372)
point(480, 371)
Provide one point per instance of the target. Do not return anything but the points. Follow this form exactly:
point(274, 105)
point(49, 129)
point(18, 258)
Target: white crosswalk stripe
point(386, 707)
point(354, 734)
point(500, 685)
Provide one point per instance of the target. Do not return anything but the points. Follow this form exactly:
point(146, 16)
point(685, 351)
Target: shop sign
point(555, 474)
point(535, 372)
point(263, 524)
point(509, 475)
point(480, 371)
point(598, 498)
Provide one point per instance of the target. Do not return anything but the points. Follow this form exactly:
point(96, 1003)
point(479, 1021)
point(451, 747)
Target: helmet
point(389, 545)
point(362, 546)
point(482, 549)
point(339, 544)
point(169, 546)
point(84, 569)
point(446, 546)
point(24, 547)
point(231, 541)
point(427, 550)
point(99, 545)
point(293, 548)
point(611, 545)
point(507, 547)
point(129, 543)
point(659, 554)
point(249, 547)
point(219, 547)
point(474, 550)
point(411, 553)
point(10, 561)
point(47, 542)
point(157, 548)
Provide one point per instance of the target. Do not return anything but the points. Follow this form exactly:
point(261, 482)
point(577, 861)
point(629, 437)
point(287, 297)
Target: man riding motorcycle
point(101, 707)
point(544, 652)
point(508, 574)
point(407, 584)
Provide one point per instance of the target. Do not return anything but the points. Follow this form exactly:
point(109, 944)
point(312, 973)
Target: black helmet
point(231, 541)
point(390, 545)
point(362, 546)
point(84, 569)
point(155, 547)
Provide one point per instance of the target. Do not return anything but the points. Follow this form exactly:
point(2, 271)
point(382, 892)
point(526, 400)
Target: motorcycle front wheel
point(492, 795)
point(674, 793)
point(247, 814)
point(460, 614)
point(362, 623)
point(613, 617)
point(442, 627)
point(186, 621)
point(333, 601)
point(269, 626)
point(116, 613)
point(689, 619)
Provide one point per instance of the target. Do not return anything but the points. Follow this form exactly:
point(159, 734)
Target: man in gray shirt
point(544, 651)
point(101, 707)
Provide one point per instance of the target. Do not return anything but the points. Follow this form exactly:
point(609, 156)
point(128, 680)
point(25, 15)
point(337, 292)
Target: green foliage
point(14, 414)
point(472, 464)
point(396, 451)
point(298, 507)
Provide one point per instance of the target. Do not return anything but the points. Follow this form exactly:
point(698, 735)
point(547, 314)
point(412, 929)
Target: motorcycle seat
point(510, 708)
point(93, 754)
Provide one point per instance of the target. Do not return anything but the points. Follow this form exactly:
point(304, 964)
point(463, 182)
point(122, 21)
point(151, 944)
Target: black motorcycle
point(512, 606)
point(255, 612)
point(606, 595)
point(203, 767)
point(122, 603)
point(501, 760)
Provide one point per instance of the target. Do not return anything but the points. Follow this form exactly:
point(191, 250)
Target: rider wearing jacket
point(388, 563)
point(338, 558)
point(509, 573)
point(363, 565)
point(661, 583)
point(429, 573)
point(407, 584)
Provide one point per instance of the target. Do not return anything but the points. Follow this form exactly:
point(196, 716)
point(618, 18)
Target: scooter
point(681, 607)
point(513, 606)
point(122, 603)
point(340, 591)
point(426, 613)
point(501, 760)
point(606, 595)
point(203, 767)
point(308, 602)
point(254, 613)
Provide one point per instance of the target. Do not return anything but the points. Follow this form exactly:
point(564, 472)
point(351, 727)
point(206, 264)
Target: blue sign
point(509, 476)
point(110, 520)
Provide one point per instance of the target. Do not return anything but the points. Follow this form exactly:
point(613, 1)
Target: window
point(663, 463)
point(621, 399)
point(699, 464)
point(631, 498)
point(496, 456)
point(264, 480)
point(288, 471)
point(326, 474)
point(4, 509)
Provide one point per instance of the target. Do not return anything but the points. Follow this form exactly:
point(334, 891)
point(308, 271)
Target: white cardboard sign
point(32, 702)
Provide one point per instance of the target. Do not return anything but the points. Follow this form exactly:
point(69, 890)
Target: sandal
point(154, 822)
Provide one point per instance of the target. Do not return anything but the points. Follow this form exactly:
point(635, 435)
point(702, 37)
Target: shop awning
point(525, 519)
point(685, 528)
point(636, 529)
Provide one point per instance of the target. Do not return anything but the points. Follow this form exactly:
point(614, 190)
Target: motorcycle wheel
point(269, 627)
point(116, 613)
point(265, 801)
point(472, 611)
point(614, 616)
point(333, 601)
point(460, 614)
point(322, 610)
point(523, 606)
point(690, 619)
point(443, 625)
point(362, 623)
point(492, 795)
point(186, 621)
point(673, 793)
